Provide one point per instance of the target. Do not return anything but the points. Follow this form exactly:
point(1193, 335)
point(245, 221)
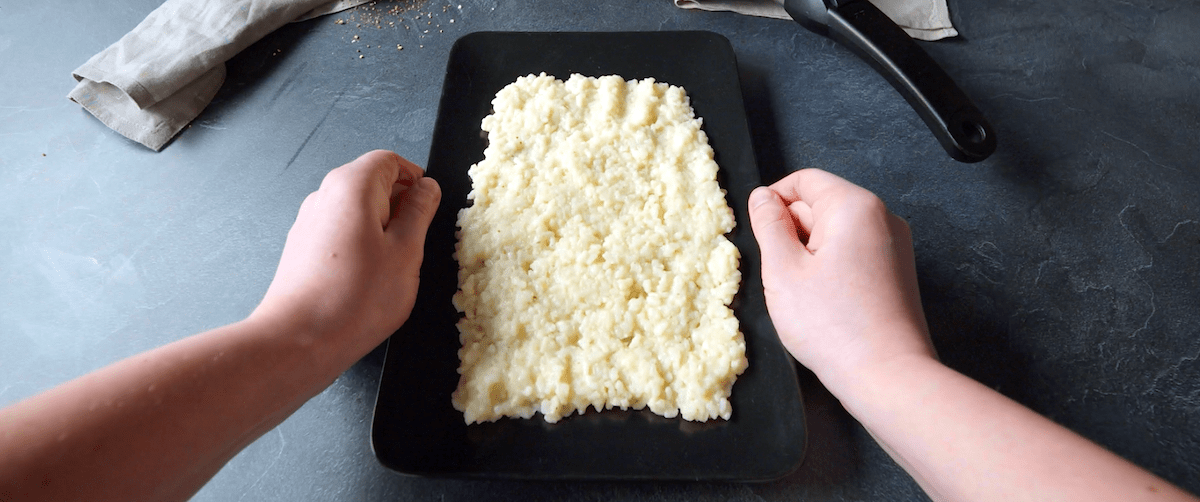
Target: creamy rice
point(594, 269)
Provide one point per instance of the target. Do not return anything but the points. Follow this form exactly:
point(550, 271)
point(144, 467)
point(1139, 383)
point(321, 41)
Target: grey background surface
point(1062, 271)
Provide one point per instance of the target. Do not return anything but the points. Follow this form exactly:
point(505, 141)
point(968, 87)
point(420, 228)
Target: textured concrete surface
point(1062, 271)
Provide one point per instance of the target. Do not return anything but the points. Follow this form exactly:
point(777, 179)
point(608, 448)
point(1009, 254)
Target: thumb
point(414, 211)
point(774, 229)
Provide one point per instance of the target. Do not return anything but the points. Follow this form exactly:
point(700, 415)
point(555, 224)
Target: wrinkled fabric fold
point(157, 123)
point(921, 19)
point(157, 78)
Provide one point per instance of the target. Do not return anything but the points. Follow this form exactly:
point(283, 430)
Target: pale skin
point(175, 415)
point(840, 285)
point(841, 288)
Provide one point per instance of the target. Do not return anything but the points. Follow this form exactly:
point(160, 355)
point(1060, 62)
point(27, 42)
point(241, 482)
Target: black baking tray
point(417, 431)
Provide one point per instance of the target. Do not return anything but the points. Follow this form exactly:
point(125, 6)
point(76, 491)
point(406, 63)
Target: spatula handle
point(958, 125)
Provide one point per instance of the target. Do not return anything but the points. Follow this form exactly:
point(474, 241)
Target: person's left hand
point(351, 263)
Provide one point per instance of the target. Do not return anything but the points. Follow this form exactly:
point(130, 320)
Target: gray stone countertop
point(1062, 271)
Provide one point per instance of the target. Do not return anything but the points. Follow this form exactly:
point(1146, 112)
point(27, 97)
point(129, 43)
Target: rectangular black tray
point(417, 431)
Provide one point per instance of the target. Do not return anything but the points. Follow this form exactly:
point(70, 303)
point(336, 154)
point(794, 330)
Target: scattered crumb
point(393, 14)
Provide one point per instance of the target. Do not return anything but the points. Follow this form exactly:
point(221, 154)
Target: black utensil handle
point(958, 125)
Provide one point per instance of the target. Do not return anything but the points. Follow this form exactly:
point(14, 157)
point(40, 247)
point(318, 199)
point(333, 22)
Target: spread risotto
point(593, 265)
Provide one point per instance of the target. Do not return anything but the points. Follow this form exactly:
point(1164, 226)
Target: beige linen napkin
point(922, 19)
point(158, 77)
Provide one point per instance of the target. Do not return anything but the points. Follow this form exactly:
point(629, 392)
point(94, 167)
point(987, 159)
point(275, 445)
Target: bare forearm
point(158, 425)
point(964, 441)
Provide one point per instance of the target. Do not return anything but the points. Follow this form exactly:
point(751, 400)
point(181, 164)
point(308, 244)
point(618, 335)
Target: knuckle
point(338, 177)
point(868, 202)
point(901, 226)
point(423, 199)
point(432, 197)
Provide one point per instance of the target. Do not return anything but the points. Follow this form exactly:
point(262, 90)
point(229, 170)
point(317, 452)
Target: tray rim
point(793, 462)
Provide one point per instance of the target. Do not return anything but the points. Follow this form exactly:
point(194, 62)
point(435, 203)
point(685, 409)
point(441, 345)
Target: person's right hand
point(839, 275)
point(352, 260)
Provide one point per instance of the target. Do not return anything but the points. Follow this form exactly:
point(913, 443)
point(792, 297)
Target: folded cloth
point(330, 8)
point(921, 19)
point(158, 77)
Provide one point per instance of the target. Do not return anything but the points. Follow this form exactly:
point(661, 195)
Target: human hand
point(350, 266)
point(838, 274)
